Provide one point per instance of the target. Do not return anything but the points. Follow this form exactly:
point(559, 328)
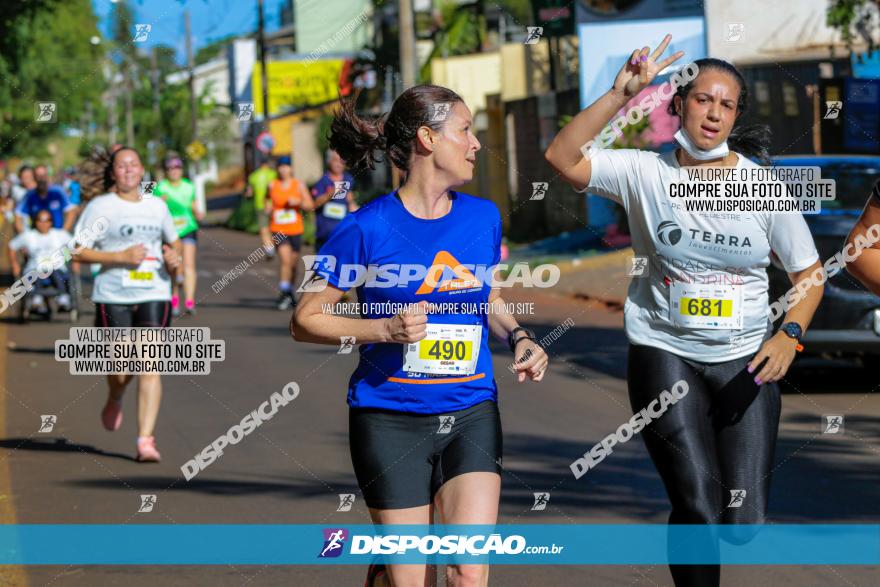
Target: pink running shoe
point(111, 415)
point(147, 452)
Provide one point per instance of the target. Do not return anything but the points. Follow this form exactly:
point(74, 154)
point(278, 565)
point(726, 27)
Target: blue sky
point(209, 19)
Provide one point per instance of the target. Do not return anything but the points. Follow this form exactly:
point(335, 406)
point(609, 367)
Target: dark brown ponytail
point(357, 140)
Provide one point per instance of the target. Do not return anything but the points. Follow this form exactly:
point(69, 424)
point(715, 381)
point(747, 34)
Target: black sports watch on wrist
point(512, 338)
point(792, 330)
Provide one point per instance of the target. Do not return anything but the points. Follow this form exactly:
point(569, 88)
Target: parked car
point(847, 322)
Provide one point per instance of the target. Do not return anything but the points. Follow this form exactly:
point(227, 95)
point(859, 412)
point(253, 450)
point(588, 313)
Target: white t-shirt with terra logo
point(705, 294)
point(147, 222)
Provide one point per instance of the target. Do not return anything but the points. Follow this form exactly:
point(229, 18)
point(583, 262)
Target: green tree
point(855, 19)
point(45, 56)
point(462, 28)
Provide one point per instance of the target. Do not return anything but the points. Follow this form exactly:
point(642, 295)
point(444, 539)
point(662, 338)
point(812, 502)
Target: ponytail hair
point(753, 141)
point(96, 172)
point(359, 141)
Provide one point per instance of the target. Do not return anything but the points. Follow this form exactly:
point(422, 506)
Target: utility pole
point(407, 44)
point(193, 106)
point(264, 81)
point(129, 105)
point(114, 116)
point(154, 77)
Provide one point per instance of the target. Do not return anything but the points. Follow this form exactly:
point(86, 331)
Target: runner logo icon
point(669, 233)
point(541, 501)
point(833, 424)
point(148, 189)
point(334, 541)
point(141, 32)
point(832, 109)
point(441, 111)
point(737, 497)
point(245, 111)
point(341, 189)
point(735, 31)
point(638, 266)
point(539, 190)
point(346, 500)
point(147, 503)
point(45, 111)
point(446, 423)
point(47, 423)
point(346, 344)
point(533, 35)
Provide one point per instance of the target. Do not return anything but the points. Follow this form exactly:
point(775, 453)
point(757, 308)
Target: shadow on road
point(32, 350)
point(291, 489)
point(815, 479)
point(58, 445)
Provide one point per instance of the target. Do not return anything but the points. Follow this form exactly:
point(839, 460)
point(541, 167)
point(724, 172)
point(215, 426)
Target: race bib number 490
point(694, 305)
point(448, 349)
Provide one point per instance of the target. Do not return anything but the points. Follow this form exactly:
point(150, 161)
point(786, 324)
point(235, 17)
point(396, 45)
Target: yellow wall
point(473, 77)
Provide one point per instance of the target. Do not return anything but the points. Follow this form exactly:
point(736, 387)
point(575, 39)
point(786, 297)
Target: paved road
point(293, 467)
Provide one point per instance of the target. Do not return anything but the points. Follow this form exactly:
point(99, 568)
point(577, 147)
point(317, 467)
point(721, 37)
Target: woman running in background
point(288, 199)
point(180, 196)
point(334, 198)
point(137, 254)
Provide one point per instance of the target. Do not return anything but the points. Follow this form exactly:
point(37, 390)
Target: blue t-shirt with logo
point(463, 247)
point(328, 216)
point(55, 202)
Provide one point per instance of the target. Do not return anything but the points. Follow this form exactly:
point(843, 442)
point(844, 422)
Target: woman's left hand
point(172, 259)
point(779, 351)
point(531, 360)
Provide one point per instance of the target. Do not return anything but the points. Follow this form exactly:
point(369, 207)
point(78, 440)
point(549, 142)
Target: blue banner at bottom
point(520, 544)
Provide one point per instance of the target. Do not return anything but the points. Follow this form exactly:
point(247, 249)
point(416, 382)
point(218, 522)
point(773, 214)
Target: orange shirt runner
point(287, 207)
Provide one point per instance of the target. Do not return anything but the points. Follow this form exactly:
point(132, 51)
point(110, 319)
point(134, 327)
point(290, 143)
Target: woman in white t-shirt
point(136, 252)
point(697, 319)
point(41, 245)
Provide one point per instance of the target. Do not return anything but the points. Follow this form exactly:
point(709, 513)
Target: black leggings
point(717, 439)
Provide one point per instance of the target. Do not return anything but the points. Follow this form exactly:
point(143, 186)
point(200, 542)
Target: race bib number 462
point(145, 276)
point(448, 349)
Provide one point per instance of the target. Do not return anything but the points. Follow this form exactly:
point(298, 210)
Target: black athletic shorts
point(144, 314)
point(191, 237)
point(295, 241)
point(401, 459)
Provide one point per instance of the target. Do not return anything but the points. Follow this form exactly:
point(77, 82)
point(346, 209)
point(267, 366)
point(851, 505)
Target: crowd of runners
point(416, 365)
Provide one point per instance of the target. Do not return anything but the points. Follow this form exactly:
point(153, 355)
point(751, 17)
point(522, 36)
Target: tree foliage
point(45, 56)
point(856, 19)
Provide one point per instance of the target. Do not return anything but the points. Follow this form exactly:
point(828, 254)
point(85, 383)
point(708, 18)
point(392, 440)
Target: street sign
point(555, 16)
point(265, 142)
point(196, 150)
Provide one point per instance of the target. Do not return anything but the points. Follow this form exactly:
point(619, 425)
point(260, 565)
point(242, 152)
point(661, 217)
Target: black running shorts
point(144, 314)
point(401, 460)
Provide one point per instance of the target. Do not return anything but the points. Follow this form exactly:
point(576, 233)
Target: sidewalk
point(600, 277)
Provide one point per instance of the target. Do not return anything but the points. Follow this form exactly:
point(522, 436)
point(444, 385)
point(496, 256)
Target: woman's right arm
point(133, 255)
point(312, 323)
point(564, 153)
point(866, 266)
